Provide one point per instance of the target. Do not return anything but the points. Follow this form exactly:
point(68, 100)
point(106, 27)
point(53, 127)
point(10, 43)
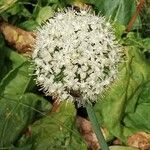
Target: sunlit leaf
point(44, 14)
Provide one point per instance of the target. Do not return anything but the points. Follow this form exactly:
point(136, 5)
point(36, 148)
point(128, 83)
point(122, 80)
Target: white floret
point(76, 51)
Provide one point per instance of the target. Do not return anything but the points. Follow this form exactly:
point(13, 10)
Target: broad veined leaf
point(17, 107)
point(57, 131)
point(16, 81)
point(118, 10)
point(122, 97)
point(139, 119)
point(16, 113)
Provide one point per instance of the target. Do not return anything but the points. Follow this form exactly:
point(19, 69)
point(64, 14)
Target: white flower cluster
point(76, 56)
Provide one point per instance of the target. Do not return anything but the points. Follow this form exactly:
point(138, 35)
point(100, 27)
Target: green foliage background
point(125, 107)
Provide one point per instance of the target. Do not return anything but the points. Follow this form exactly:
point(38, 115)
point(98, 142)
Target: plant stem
point(136, 13)
point(96, 127)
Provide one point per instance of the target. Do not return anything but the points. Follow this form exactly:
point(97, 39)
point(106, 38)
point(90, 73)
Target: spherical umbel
point(76, 56)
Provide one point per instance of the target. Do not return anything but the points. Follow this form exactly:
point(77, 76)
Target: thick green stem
point(96, 127)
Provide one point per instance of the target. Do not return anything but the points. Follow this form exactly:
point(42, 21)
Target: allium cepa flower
point(76, 56)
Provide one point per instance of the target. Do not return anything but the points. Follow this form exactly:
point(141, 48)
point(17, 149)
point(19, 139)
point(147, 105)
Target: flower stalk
point(96, 127)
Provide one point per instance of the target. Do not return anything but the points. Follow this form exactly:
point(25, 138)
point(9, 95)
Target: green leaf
point(119, 30)
point(16, 81)
point(139, 120)
point(57, 131)
point(146, 44)
point(16, 112)
point(122, 148)
point(2, 58)
point(10, 60)
point(118, 10)
point(122, 97)
point(5, 4)
point(25, 12)
point(136, 40)
point(44, 14)
point(26, 147)
point(145, 15)
point(14, 9)
point(17, 107)
point(53, 1)
point(18, 77)
point(29, 25)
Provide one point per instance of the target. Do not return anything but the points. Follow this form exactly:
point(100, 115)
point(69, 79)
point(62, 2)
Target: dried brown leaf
point(117, 142)
point(85, 129)
point(140, 140)
point(18, 38)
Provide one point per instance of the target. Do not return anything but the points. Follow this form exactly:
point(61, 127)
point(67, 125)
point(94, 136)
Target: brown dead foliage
point(20, 39)
point(140, 140)
point(117, 142)
point(85, 129)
